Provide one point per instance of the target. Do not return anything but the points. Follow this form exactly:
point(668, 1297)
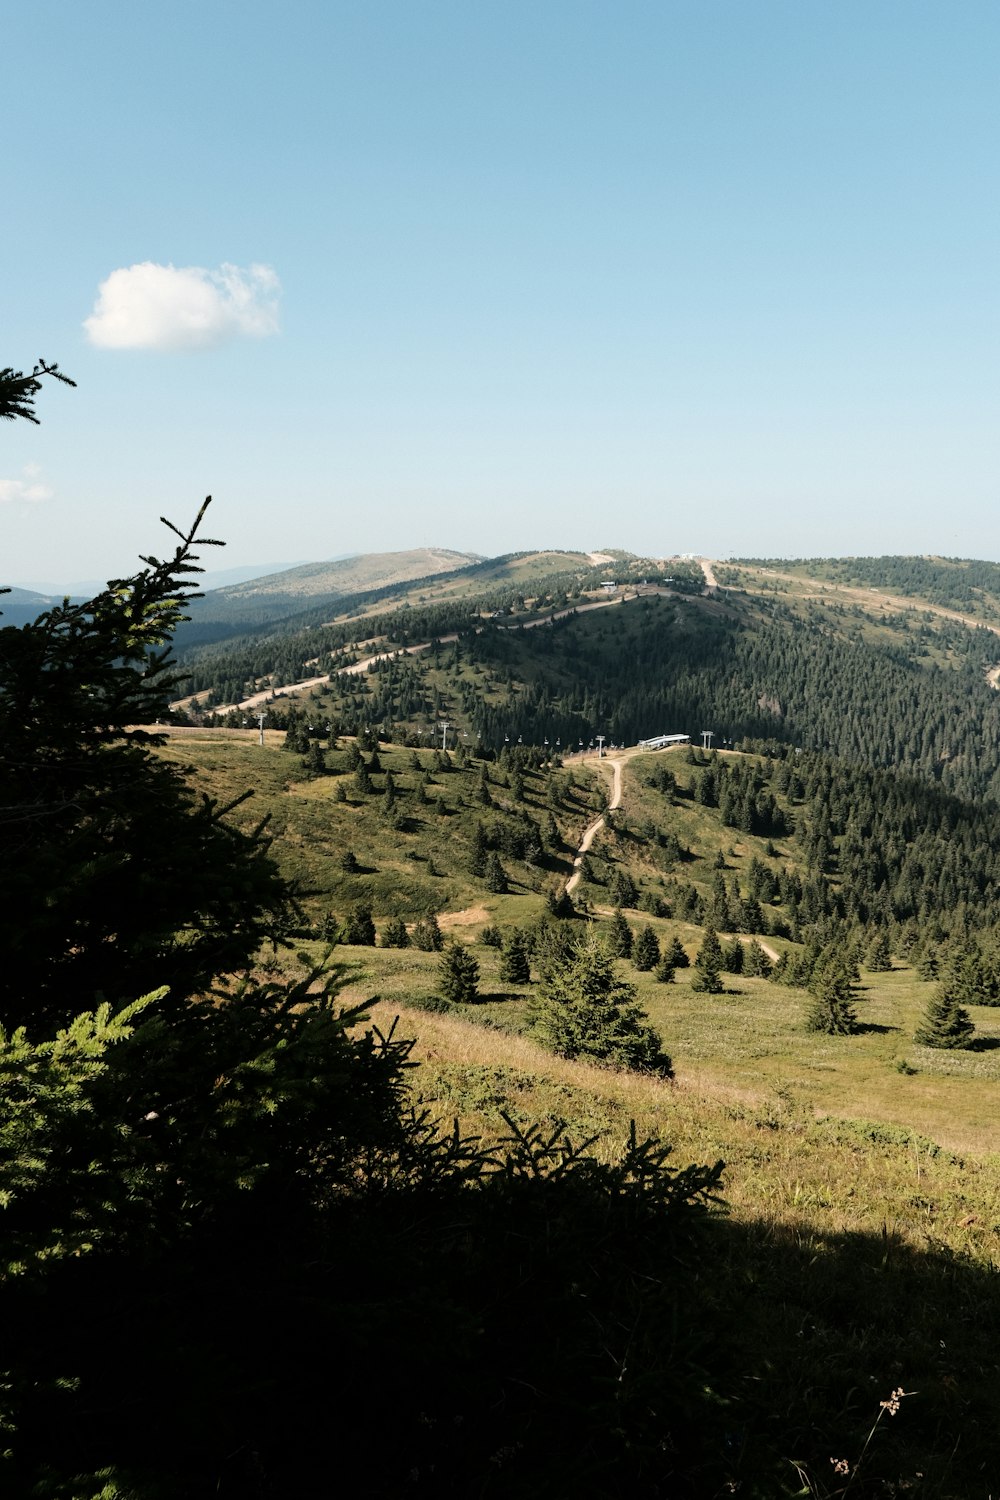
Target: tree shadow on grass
point(518, 1339)
point(983, 1044)
point(824, 1327)
point(873, 1028)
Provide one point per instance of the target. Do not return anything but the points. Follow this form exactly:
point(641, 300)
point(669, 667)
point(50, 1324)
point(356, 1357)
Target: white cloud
point(27, 490)
point(183, 307)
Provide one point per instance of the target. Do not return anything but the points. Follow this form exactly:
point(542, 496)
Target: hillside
point(796, 856)
point(261, 602)
point(779, 961)
point(892, 684)
point(862, 1183)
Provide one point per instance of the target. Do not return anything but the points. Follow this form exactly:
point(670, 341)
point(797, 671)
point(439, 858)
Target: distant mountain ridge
point(348, 575)
point(259, 602)
point(21, 606)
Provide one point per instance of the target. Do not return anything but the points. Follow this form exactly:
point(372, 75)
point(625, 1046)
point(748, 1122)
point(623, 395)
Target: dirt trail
point(358, 667)
point(614, 760)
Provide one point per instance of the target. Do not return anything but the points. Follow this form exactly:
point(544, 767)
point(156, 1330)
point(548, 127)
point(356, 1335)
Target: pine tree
point(733, 957)
point(878, 956)
point(707, 979)
point(116, 876)
point(315, 759)
point(623, 889)
point(426, 935)
point(584, 1010)
point(479, 853)
point(946, 1023)
point(515, 967)
point(458, 975)
point(756, 962)
point(646, 952)
point(394, 934)
point(359, 928)
point(831, 1010)
point(619, 936)
point(496, 876)
point(665, 972)
point(18, 391)
point(677, 953)
point(559, 903)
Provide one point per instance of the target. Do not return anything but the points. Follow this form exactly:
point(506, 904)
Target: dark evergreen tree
point(623, 889)
point(665, 971)
point(831, 1010)
point(116, 877)
point(584, 1010)
point(314, 760)
point(18, 391)
point(359, 927)
point(559, 903)
point(458, 975)
point(756, 962)
point(427, 935)
point(946, 1023)
point(878, 955)
point(479, 853)
point(394, 934)
point(733, 957)
point(676, 954)
point(496, 876)
point(646, 951)
point(515, 967)
point(619, 936)
point(707, 978)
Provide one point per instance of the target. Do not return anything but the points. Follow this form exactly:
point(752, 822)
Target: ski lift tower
point(707, 735)
point(600, 745)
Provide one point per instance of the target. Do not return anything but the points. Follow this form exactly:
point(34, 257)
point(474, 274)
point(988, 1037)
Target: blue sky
point(702, 276)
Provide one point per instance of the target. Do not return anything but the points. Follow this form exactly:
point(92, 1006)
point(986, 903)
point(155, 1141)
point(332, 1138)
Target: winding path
point(615, 759)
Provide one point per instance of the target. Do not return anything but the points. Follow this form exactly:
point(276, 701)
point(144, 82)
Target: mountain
point(261, 601)
point(877, 679)
point(21, 606)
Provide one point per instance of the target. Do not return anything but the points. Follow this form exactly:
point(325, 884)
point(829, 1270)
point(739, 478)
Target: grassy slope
point(749, 1042)
point(859, 1253)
